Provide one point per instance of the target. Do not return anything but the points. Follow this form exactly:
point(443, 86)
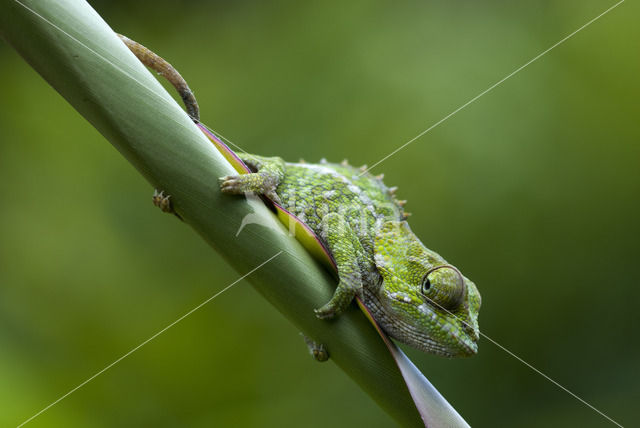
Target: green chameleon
point(412, 292)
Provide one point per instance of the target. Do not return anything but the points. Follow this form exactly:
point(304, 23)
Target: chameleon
point(413, 293)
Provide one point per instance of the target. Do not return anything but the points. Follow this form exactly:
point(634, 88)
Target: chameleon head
point(423, 301)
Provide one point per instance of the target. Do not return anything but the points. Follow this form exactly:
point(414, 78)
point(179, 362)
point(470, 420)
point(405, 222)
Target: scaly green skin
point(412, 292)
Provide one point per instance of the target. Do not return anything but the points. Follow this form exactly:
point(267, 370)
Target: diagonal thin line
point(98, 54)
point(526, 363)
point(550, 379)
point(223, 138)
point(492, 86)
point(151, 338)
point(280, 252)
point(117, 67)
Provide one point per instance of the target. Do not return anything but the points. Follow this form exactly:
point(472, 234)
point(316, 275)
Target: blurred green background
point(533, 191)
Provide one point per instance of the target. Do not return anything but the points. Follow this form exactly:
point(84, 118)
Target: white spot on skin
point(379, 259)
point(424, 309)
point(364, 198)
point(324, 170)
point(402, 297)
point(329, 194)
point(355, 189)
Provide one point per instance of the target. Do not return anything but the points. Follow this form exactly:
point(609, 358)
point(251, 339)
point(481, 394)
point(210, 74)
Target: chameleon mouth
point(396, 326)
point(462, 336)
point(457, 347)
point(470, 347)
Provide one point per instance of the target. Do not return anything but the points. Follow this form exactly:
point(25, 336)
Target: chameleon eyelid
point(461, 281)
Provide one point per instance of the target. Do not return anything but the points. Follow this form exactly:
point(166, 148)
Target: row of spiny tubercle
point(363, 169)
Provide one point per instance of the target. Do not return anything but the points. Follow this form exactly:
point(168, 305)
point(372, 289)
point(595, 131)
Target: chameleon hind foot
point(317, 350)
point(162, 201)
point(260, 183)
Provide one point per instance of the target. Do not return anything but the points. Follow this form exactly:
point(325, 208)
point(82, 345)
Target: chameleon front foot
point(326, 312)
point(342, 298)
point(317, 350)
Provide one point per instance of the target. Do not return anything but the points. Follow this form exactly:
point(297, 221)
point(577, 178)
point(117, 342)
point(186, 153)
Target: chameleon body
point(411, 291)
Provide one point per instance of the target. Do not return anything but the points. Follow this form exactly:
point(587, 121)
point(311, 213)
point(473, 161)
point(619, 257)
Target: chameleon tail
point(156, 63)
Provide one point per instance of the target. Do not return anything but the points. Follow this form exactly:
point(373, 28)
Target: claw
point(274, 197)
point(326, 312)
point(231, 184)
point(317, 350)
point(320, 353)
point(161, 201)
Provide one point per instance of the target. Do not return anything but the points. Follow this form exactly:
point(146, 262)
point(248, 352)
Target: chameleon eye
point(426, 284)
point(443, 286)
